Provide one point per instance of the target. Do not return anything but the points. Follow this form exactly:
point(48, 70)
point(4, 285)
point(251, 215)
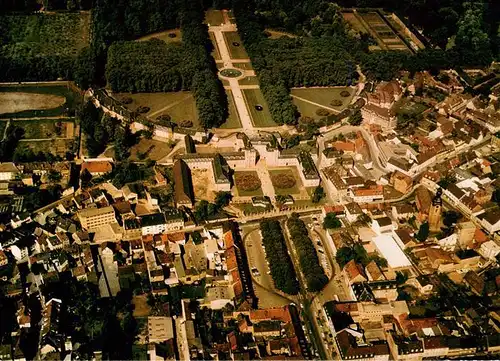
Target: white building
point(8, 171)
point(490, 220)
point(489, 250)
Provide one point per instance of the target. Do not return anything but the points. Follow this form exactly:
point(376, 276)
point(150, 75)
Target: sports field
point(232, 38)
point(262, 118)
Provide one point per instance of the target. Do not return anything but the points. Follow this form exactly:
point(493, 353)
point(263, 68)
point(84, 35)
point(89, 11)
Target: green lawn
point(236, 52)
point(261, 118)
point(249, 80)
point(243, 193)
point(245, 66)
point(233, 119)
point(179, 105)
point(324, 96)
point(168, 36)
point(214, 17)
point(41, 128)
point(307, 109)
point(285, 191)
point(73, 100)
point(56, 146)
point(249, 208)
point(215, 50)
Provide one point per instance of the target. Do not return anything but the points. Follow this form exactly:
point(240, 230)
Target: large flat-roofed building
point(160, 329)
point(183, 188)
point(93, 218)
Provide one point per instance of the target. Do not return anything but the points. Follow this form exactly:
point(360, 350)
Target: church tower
point(435, 212)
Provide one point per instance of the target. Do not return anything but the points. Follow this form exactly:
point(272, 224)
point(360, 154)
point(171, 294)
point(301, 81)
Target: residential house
point(354, 273)
point(97, 168)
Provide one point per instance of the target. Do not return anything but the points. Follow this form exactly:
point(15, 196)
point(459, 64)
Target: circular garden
point(345, 93)
point(231, 73)
point(247, 182)
point(283, 181)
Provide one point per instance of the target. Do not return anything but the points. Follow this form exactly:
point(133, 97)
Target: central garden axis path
point(239, 100)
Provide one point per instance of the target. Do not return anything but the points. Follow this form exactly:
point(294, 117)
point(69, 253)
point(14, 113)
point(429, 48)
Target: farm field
point(45, 128)
point(233, 119)
point(324, 96)
point(275, 174)
point(236, 52)
point(254, 97)
point(238, 180)
point(45, 34)
point(30, 101)
point(168, 36)
point(179, 105)
point(214, 17)
point(152, 149)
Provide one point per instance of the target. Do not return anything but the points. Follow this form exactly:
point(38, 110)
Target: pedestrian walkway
point(234, 86)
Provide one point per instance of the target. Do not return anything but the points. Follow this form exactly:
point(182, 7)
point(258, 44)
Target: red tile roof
point(97, 167)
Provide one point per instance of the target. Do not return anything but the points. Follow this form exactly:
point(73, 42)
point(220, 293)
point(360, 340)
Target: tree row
point(280, 263)
point(315, 276)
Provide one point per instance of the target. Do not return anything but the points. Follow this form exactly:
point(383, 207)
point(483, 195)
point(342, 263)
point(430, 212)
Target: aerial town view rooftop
point(249, 180)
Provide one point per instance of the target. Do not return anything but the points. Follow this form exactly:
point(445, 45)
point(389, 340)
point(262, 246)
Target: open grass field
point(30, 101)
point(237, 52)
point(45, 34)
point(249, 80)
point(150, 148)
point(214, 17)
point(233, 119)
point(45, 128)
point(215, 51)
point(168, 36)
point(55, 146)
point(238, 175)
point(324, 96)
point(254, 97)
point(275, 173)
point(307, 109)
point(179, 105)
